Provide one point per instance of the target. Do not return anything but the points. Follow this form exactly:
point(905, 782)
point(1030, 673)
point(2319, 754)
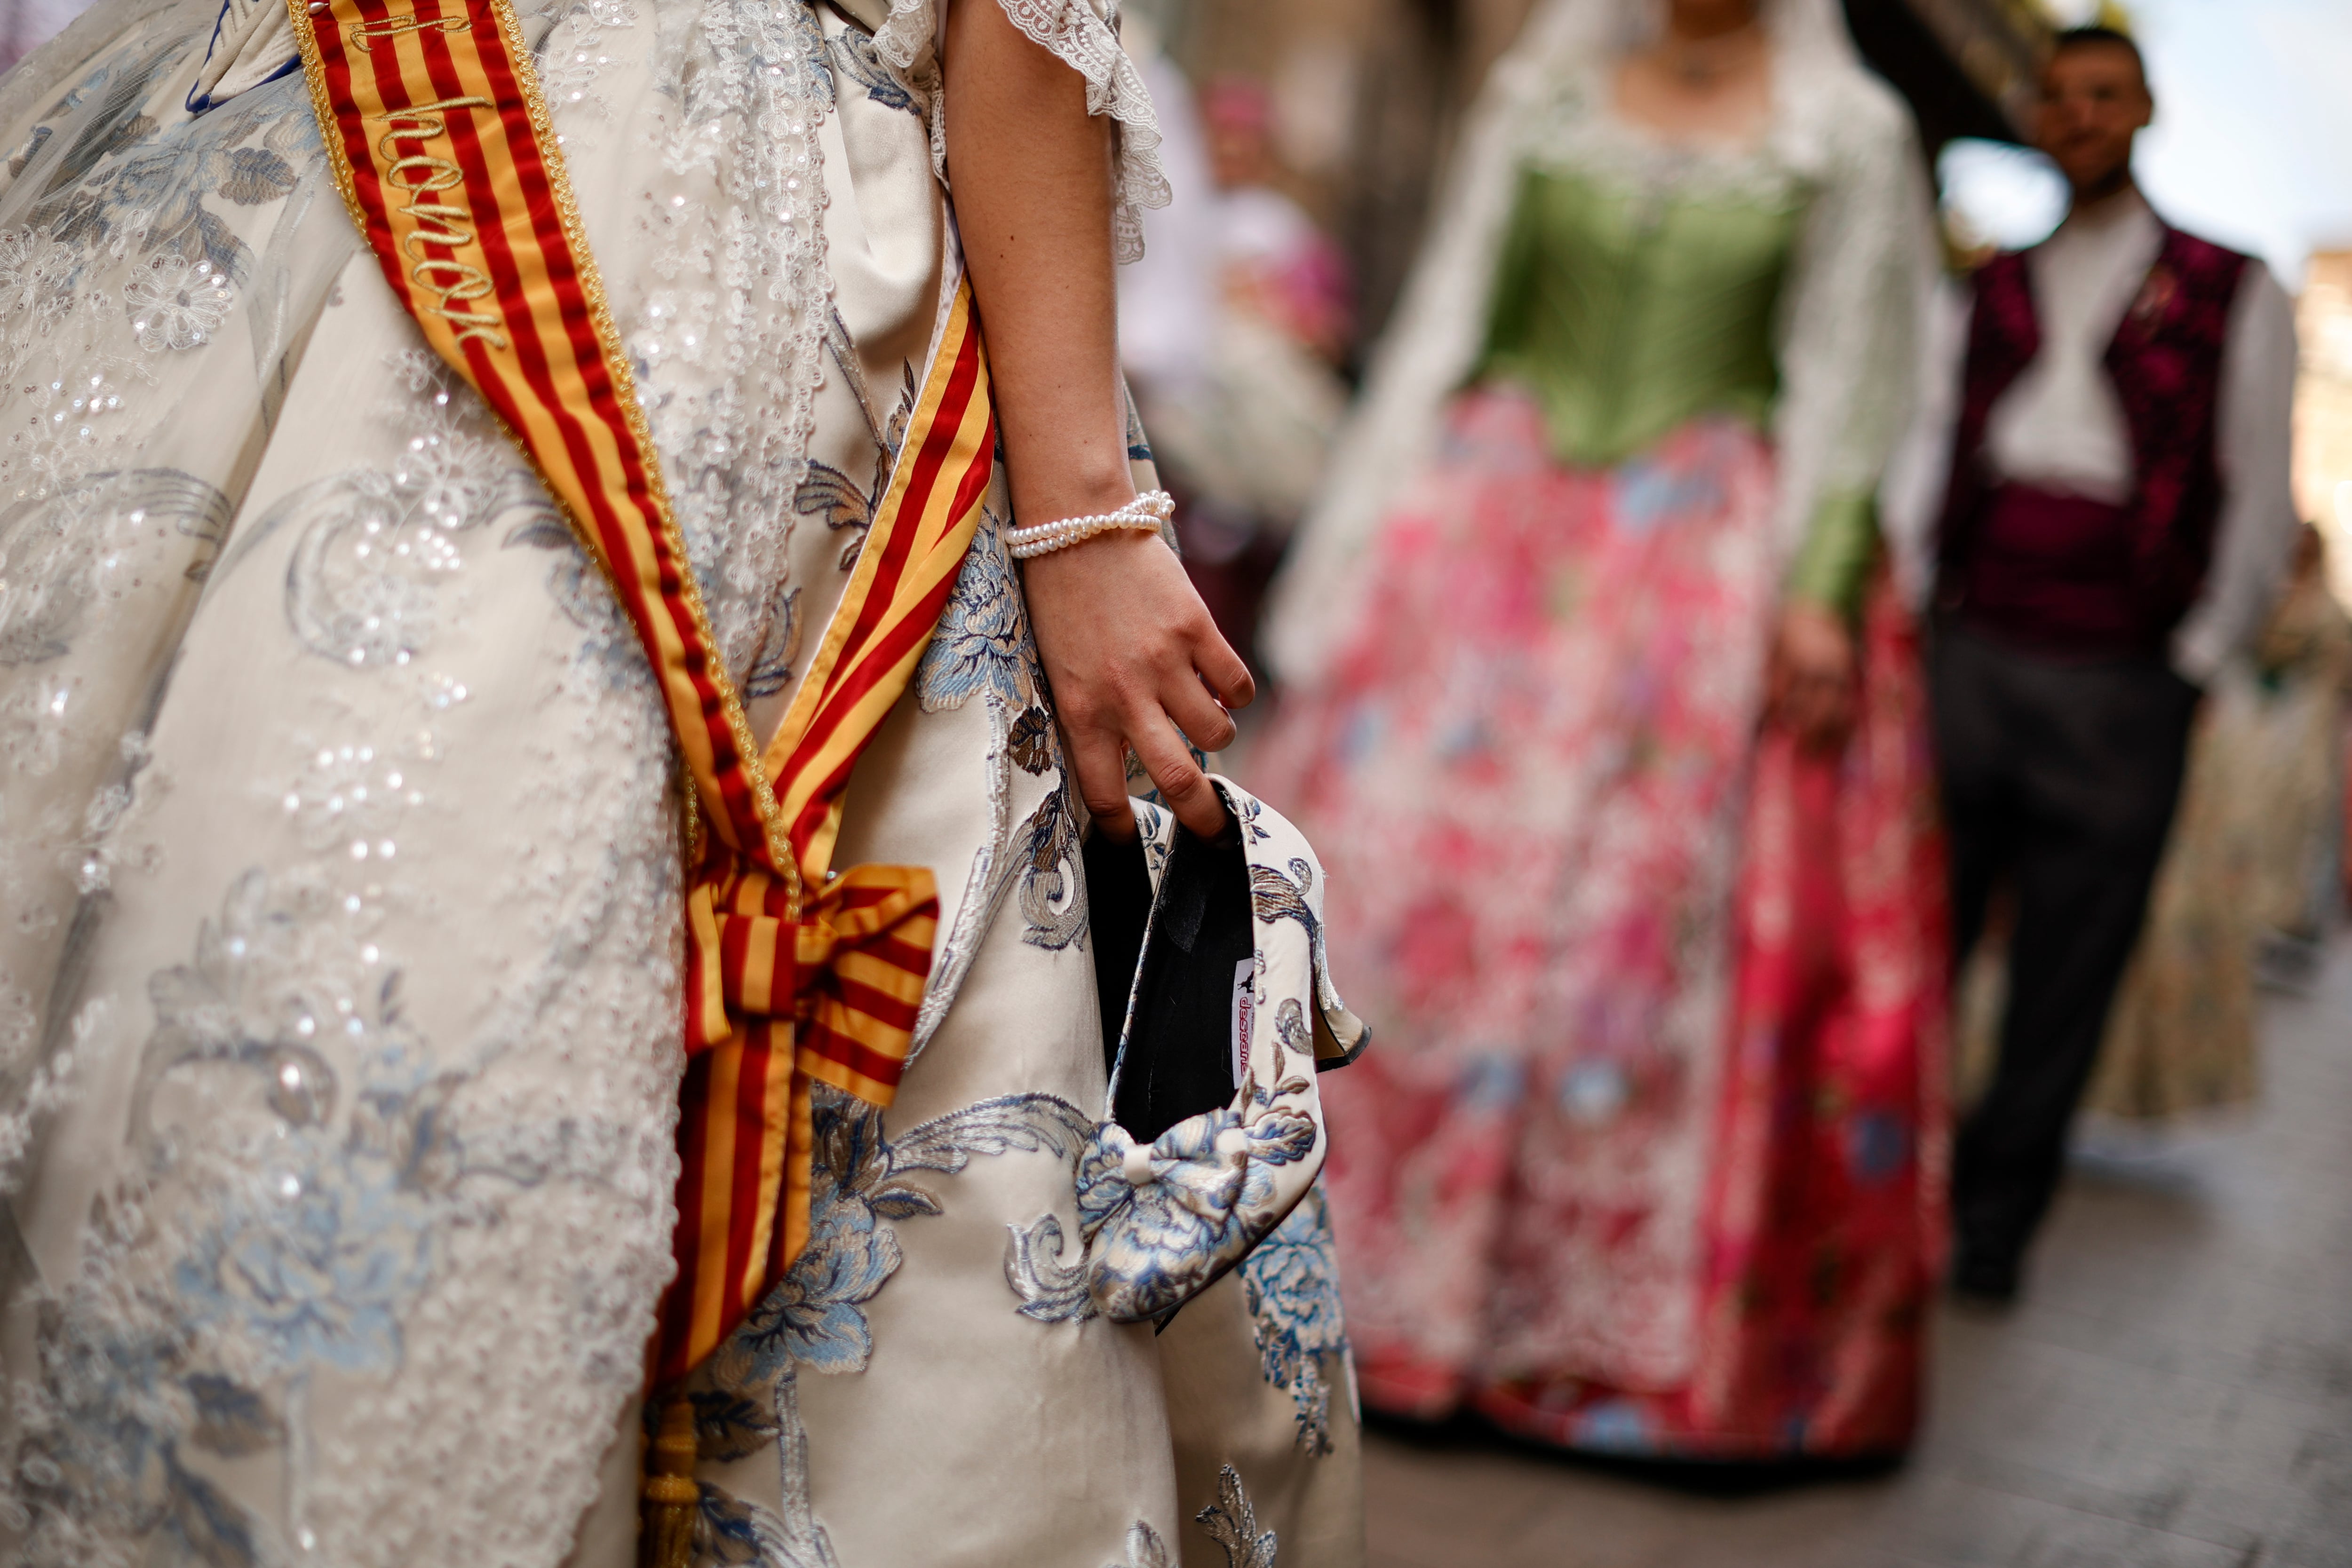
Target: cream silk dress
point(338, 884)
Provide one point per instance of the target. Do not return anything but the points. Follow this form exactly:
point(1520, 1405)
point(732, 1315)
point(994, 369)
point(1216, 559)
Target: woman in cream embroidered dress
point(1602, 712)
point(339, 971)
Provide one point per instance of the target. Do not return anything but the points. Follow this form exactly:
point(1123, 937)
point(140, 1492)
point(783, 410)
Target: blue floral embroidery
point(1052, 891)
point(1279, 897)
point(983, 648)
point(111, 1430)
point(258, 149)
point(855, 57)
point(318, 1267)
point(1194, 1201)
point(309, 1257)
point(733, 1531)
point(1051, 1291)
point(316, 1259)
point(815, 1318)
point(587, 600)
point(1292, 1285)
point(826, 491)
point(983, 644)
point(1157, 830)
point(122, 85)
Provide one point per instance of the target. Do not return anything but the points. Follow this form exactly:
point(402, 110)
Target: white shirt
point(2061, 427)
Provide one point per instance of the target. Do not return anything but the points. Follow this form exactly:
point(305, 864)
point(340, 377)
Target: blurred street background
point(2176, 1391)
point(2253, 144)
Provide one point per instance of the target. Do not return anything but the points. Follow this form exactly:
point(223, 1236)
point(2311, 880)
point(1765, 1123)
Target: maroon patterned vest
point(2166, 364)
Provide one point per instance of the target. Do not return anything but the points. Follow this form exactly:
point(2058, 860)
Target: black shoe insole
point(1181, 1049)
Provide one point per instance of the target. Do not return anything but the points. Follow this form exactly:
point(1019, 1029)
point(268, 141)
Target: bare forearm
point(1134, 661)
point(1032, 176)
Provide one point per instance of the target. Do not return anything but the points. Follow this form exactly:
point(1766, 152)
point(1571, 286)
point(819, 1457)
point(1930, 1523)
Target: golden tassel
point(671, 1499)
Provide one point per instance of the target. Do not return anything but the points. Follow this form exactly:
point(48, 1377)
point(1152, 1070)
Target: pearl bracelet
point(1150, 510)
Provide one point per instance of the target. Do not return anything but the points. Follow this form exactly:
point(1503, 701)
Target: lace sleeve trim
point(1083, 38)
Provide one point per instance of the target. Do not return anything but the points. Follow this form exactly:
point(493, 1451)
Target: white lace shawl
point(1083, 35)
point(1849, 318)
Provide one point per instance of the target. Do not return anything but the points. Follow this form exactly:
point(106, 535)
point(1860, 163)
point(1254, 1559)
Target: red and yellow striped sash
point(441, 144)
point(745, 1131)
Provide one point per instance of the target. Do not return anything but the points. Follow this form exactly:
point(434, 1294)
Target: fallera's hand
point(1813, 678)
point(1136, 664)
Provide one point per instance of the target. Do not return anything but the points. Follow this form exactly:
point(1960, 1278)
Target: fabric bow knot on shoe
point(1169, 1202)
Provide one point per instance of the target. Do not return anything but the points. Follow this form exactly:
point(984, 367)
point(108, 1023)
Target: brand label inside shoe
point(1245, 1008)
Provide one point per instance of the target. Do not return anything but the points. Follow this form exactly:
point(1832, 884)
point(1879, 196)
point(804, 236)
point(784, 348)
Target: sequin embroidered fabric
point(338, 901)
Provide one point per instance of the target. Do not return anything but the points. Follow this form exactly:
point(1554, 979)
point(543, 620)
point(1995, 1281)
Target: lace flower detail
point(35, 274)
point(177, 303)
point(1086, 41)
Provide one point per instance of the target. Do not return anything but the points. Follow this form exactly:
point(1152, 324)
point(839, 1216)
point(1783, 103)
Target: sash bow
point(439, 137)
point(850, 971)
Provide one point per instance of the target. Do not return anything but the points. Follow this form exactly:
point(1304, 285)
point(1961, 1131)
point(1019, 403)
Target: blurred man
point(2117, 519)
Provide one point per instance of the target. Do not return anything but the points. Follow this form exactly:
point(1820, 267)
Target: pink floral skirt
point(1648, 1154)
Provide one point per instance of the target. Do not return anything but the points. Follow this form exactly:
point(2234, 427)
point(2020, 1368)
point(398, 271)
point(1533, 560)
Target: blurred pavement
point(2174, 1392)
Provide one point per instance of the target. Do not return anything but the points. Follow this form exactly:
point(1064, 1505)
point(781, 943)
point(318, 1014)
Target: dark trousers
point(2060, 776)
